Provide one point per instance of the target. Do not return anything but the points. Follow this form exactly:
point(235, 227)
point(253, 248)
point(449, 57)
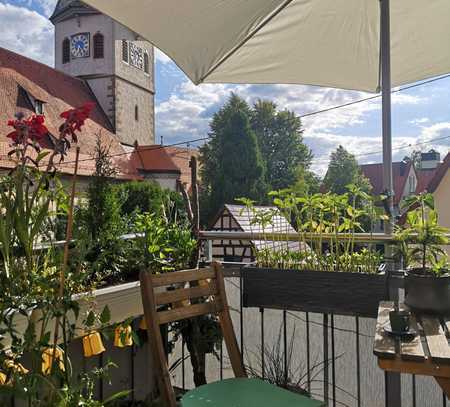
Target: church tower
point(114, 61)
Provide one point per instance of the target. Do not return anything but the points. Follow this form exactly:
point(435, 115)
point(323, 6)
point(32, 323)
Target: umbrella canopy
point(333, 43)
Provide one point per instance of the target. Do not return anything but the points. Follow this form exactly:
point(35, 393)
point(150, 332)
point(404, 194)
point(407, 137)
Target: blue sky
point(183, 110)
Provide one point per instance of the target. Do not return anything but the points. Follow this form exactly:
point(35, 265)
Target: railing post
point(325, 358)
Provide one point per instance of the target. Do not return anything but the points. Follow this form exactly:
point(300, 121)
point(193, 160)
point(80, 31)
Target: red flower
point(75, 119)
point(36, 128)
point(32, 128)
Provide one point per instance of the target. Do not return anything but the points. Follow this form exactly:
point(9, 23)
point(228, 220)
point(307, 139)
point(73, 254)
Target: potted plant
point(328, 271)
point(427, 279)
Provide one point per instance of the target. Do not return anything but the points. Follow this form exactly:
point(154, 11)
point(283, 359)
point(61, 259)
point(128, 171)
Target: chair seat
point(240, 392)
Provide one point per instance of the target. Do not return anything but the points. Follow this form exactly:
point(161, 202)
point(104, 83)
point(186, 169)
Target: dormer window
point(38, 106)
point(125, 51)
point(99, 46)
point(65, 51)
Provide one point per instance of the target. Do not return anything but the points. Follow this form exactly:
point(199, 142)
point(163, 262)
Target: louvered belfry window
point(66, 51)
point(146, 63)
point(125, 50)
point(99, 46)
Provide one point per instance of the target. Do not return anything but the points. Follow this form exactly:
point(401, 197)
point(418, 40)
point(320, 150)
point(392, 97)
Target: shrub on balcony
point(39, 286)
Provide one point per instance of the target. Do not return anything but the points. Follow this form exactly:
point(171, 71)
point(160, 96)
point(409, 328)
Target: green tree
point(102, 214)
point(99, 223)
point(415, 157)
point(280, 139)
point(307, 182)
point(148, 197)
point(231, 162)
point(343, 170)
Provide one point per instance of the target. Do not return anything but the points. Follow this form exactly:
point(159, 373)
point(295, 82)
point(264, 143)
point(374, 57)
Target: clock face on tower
point(136, 56)
point(79, 45)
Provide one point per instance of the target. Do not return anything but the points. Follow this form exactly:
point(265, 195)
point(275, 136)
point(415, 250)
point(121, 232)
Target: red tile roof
point(20, 76)
point(181, 157)
point(400, 171)
point(439, 174)
point(424, 178)
point(154, 159)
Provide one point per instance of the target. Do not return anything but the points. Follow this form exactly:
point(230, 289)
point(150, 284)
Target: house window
point(125, 51)
point(65, 51)
point(99, 46)
point(136, 113)
point(146, 63)
point(38, 107)
point(412, 184)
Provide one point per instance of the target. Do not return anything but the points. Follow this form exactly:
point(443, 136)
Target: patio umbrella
point(334, 43)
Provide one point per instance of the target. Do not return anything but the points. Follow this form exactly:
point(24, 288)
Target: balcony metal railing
point(326, 332)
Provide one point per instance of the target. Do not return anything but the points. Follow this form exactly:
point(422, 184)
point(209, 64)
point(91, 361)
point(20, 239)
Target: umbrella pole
point(392, 380)
point(386, 109)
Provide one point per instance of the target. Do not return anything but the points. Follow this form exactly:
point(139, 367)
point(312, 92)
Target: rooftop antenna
point(162, 140)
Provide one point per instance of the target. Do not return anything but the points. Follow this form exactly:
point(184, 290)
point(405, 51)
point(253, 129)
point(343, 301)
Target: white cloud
point(26, 32)
point(419, 121)
point(46, 6)
point(188, 111)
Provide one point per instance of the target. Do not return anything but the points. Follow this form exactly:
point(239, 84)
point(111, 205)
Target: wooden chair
point(237, 392)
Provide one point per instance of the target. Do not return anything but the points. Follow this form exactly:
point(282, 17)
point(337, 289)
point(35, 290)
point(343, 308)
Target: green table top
point(244, 393)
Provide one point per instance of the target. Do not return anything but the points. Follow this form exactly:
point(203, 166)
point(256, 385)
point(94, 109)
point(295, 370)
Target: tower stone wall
point(124, 89)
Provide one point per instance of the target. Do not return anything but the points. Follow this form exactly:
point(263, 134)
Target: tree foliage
point(253, 150)
point(138, 197)
point(231, 162)
point(344, 170)
point(280, 138)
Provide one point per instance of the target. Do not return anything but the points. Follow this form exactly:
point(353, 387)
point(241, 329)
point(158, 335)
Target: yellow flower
point(47, 359)
point(122, 336)
point(92, 344)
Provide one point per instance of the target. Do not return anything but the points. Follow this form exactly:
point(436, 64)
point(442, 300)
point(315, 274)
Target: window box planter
point(124, 301)
point(339, 293)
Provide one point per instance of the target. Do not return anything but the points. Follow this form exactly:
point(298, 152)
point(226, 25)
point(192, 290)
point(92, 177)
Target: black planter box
point(338, 293)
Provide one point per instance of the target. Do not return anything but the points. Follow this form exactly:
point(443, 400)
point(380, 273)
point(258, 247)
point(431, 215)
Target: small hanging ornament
point(92, 344)
point(47, 359)
point(16, 367)
point(122, 336)
point(143, 324)
point(3, 379)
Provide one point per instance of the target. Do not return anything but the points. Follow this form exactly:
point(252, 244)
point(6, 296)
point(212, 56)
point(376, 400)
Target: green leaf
point(90, 320)
point(105, 316)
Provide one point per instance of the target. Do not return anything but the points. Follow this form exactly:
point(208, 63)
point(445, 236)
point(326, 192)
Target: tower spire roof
point(65, 9)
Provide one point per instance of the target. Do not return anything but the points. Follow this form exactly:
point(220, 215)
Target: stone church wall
point(128, 129)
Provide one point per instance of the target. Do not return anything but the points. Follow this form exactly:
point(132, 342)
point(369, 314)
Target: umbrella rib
point(246, 39)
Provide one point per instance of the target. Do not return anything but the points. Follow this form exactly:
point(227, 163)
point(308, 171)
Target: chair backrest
point(185, 301)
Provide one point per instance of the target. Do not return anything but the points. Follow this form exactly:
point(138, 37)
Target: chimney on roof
point(430, 160)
